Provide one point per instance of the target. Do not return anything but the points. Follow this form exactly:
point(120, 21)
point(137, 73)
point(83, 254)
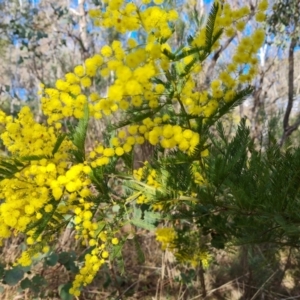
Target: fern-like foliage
point(56, 219)
point(78, 136)
point(210, 25)
point(135, 116)
point(251, 196)
point(237, 100)
point(58, 143)
point(9, 167)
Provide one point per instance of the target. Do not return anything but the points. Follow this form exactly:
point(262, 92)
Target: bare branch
point(287, 129)
point(75, 12)
point(216, 57)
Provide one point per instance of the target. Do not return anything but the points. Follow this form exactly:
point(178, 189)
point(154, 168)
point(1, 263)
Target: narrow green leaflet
point(58, 143)
point(79, 135)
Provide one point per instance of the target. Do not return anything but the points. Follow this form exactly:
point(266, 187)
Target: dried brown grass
point(158, 277)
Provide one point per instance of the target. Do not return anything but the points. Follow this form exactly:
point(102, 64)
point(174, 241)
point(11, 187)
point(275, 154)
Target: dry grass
point(159, 277)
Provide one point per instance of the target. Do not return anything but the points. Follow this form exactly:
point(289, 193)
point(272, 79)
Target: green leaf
point(9, 167)
point(72, 267)
point(218, 241)
point(68, 260)
point(142, 224)
point(52, 259)
point(36, 283)
point(63, 291)
point(151, 217)
point(117, 251)
point(26, 284)
point(108, 281)
point(211, 24)
point(18, 163)
point(188, 276)
point(185, 53)
point(33, 157)
point(138, 117)
point(139, 251)
point(169, 54)
point(13, 276)
point(58, 143)
point(64, 258)
point(78, 136)
point(38, 280)
point(2, 270)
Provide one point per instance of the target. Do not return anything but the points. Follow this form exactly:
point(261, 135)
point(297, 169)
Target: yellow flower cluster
point(260, 16)
point(25, 259)
point(87, 273)
point(196, 170)
point(25, 137)
point(133, 71)
point(194, 257)
point(45, 185)
point(28, 195)
point(149, 175)
point(142, 199)
point(101, 155)
point(124, 16)
point(75, 180)
point(205, 103)
point(94, 260)
point(169, 136)
point(68, 98)
point(132, 87)
point(166, 236)
point(227, 18)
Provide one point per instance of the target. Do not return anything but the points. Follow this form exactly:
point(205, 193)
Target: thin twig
point(222, 286)
point(290, 298)
point(262, 286)
point(202, 279)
